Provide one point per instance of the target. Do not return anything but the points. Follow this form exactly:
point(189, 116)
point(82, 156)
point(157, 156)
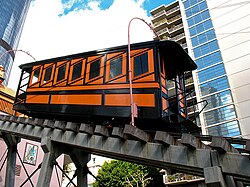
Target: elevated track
point(218, 161)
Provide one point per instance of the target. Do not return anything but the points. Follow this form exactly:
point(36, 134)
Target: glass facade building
point(215, 34)
point(220, 114)
point(12, 14)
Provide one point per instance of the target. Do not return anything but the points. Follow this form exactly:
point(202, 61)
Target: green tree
point(124, 174)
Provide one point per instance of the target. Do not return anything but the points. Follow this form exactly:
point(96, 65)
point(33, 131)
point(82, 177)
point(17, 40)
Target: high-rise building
point(12, 14)
point(217, 37)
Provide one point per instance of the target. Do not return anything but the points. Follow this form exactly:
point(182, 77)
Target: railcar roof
point(175, 57)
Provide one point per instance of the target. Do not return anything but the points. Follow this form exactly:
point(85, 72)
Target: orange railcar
point(95, 86)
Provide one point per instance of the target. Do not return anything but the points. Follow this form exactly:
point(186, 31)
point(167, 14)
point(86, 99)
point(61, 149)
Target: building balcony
point(173, 10)
point(168, 21)
point(162, 31)
point(177, 27)
point(178, 37)
point(173, 19)
point(159, 14)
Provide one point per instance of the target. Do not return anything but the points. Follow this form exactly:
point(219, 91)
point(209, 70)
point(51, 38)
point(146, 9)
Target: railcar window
point(35, 76)
point(140, 64)
point(94, 69)
point(115, 67)
point(47, 75)
point(61, 72)
point(77, 70)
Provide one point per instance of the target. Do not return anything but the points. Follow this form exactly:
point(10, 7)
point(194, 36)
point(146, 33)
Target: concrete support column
point(50, 156)
point(213, 177)
point(80, 160)
point(11, 142)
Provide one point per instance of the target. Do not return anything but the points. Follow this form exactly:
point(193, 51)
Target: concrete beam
point(213, 177)
point(222, 145)
point(11, 141)
point(86, 128)
point(102, 130)
point(50, 156)
point(80, 160)
point(164, 137)
point(191, 141)
point(135, 133)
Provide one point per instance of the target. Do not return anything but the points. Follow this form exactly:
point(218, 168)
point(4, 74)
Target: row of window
point(209, 60)
point(195, 9)
point(198, 18)
point(212, 72)
point(188, 3)
point(201, 27)
point(203, 38)
point(218, 99)
point(206, 48)
point(215, 85)
point(226, 129)
point(94, 69)
point(219, 115)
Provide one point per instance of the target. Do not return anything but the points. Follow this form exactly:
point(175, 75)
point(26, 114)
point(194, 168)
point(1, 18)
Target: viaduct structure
point(218, 161)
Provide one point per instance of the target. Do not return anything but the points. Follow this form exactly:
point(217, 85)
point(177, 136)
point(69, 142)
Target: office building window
point(206, 48)
point(226, 129)
point(218, 99)
point(195, 9)
point(203, 38)
point(198, 18)
point(209, 60)
point(201, 27)
point(219, 115)
point(211, 73)
point(214, 86)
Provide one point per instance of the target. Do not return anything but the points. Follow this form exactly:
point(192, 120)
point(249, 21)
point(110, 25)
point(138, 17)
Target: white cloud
point(47, 35)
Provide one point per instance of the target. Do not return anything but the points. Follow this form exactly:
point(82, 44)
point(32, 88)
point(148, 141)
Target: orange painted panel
point(141, 100)
point(97, 87)
point(91, 58)
point(164, 104)
point(86, 99)
point(163, 81)
point(111, 55)
point(40, 99)
point(73, 61)
point(146, 78)
point(118, 80)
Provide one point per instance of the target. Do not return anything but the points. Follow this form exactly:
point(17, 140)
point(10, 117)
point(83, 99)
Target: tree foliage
point(124, 174)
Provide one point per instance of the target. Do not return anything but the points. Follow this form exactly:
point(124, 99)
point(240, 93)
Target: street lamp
point(11, 50)
point(132, 104)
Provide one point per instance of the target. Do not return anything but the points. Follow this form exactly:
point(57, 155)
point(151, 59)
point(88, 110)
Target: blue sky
point(71, 5)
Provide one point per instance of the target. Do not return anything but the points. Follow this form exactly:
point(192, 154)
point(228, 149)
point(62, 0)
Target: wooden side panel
point(142, 100)
point(86, 99)
point(38, 99)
